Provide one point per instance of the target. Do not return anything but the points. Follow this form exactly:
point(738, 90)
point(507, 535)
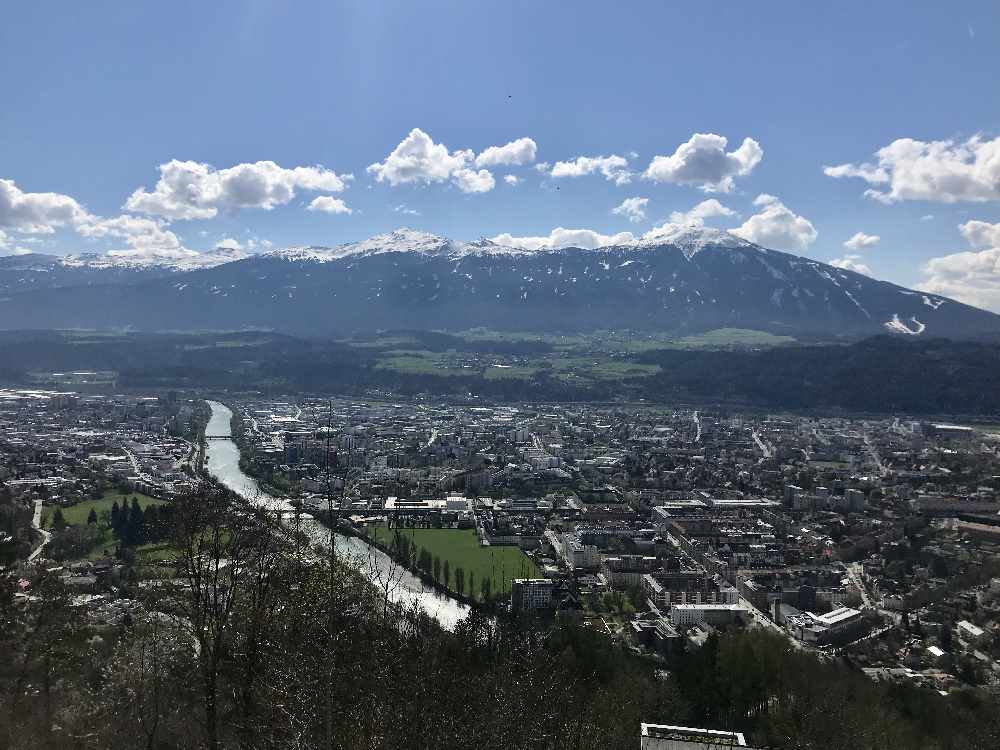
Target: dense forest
point(883, 374)
point(254, 640)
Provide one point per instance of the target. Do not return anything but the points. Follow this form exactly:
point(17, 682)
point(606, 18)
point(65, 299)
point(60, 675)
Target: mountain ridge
point(683, 280)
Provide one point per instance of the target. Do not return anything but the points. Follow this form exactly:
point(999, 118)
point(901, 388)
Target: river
point(222, 460)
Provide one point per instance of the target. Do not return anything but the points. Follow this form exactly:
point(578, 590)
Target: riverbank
point(398, 585)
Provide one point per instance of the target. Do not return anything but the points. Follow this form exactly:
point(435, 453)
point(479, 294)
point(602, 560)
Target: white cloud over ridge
point(613, 168)
point(418, 159)
point(561, 237)
point(193, 190)
point(515, 153)
point(37, 213)
point(946, 171)
point(328, 204)
point(776, 226)
point(696, 217)
point(704, 162)
point(972, 276)
point(861, 241)
point(852, 263)
point(634, 209)
point(140, 234)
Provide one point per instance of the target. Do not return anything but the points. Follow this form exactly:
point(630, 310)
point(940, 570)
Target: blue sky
point(98, 96)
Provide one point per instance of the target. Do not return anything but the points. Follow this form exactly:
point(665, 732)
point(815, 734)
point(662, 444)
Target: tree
point(460, 580)
point(58, 522)
point(472, 584)
point(116, 518)
point(486, 588)
point(92, 516)
point(446, 569)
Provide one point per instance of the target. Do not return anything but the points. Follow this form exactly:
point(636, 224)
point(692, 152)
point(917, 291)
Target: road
point(882, 471)
point(764, 447)
point(135, 464)
point(853, 574)
point(36, 522)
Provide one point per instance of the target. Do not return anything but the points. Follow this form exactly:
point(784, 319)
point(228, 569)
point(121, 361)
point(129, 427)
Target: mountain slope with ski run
point(682, 280)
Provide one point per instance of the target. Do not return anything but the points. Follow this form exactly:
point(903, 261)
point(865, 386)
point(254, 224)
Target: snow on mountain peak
point(401, 240)
point(690, 239)
point(177, 259)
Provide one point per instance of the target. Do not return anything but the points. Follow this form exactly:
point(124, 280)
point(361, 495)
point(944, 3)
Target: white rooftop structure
point(667, 737)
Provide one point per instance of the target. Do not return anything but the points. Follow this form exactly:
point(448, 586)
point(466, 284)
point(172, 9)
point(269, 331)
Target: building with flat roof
point(687, 615)
point(530, 593)
point(667, 737)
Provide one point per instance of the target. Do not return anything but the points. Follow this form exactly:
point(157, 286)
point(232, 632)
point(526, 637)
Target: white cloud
point(228, 243)
point(980, 233)
point(971, 276)
point(707, 209)
point(402, 208)
point(927, 217)
point(471, 181)
point(36, 213)
point(634, 209)
point(560, 237)
point(947, 171)
point(521, 151)
point(139, 233)
point(511, 179)
point(613, 168)
point(776, 226)
point(328, 204)
point(543, 167)
point(852, 263)
point(418, 159)
point(704, 162)
point(192, 190)
point(861, 241)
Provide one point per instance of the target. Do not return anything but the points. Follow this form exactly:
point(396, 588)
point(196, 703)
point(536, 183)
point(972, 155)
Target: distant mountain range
point(688, 280)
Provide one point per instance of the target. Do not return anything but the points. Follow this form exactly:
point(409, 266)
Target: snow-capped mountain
point(683, 280)
point(24, 273)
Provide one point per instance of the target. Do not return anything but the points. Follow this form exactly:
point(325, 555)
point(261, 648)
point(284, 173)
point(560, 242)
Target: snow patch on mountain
point(897, 326)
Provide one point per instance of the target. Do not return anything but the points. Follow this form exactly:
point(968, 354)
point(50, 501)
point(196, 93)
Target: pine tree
point(460, 580)
point(447, 573)
point(135, 527)
point(437, 568)
point(92, 516)
point(58, 522)
point(116, 518)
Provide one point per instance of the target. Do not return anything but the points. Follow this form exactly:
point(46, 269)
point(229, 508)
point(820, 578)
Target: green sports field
point(77, 514)
point(461, 548)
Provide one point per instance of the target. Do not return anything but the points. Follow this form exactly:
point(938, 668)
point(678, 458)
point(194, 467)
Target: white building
point(666, 737)
point(688, 615)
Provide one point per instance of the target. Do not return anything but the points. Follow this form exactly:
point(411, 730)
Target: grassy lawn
point(461, 548)
point(77, 514)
